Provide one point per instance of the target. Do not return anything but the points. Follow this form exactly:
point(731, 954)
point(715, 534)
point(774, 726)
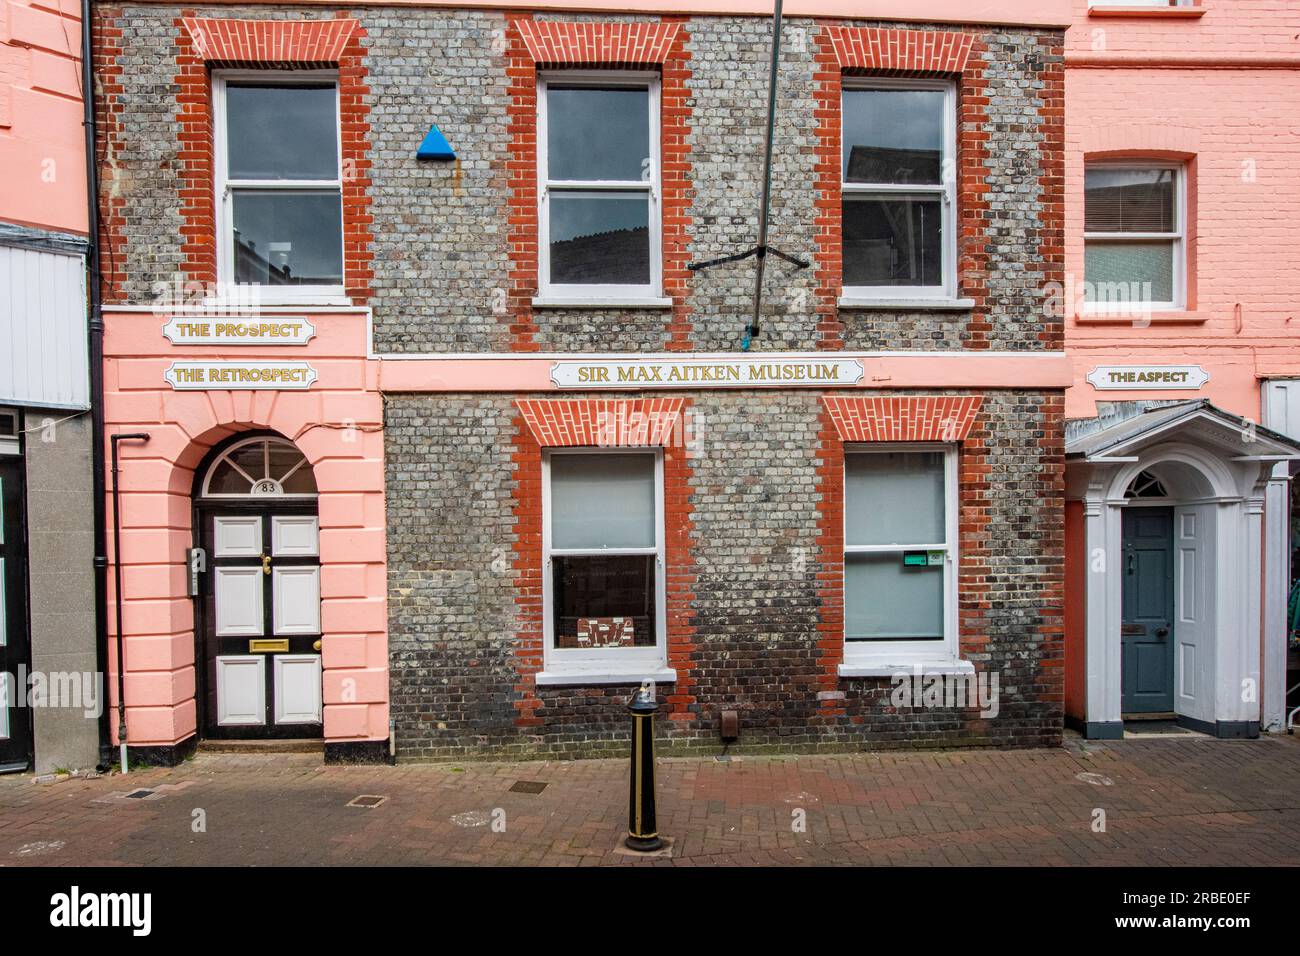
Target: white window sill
point(275, 302)
point(584, 678)
point(906, 667)
point(613, 302)
point(909, 305)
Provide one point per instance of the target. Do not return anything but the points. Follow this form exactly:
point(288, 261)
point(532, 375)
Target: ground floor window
point(899, 554)
point(603, 542)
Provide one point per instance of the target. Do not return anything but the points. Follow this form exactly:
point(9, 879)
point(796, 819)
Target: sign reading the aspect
point(704, 373)
point(239, 330)
point(202, 376)
point(1141, 377)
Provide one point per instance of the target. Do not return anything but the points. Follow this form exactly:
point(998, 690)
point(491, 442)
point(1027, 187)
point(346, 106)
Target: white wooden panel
point(1194, 579)
point(1282, 406)
point(237, 536)
point(241, 690)
point(296, 600)
point(294, 536)
point(43, 328)
point(297, 689)
point(239, 602)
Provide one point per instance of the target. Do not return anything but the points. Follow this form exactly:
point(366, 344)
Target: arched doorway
point(258, 620)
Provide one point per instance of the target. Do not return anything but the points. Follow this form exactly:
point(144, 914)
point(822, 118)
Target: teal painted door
point(1147, 627)
point(15, 721)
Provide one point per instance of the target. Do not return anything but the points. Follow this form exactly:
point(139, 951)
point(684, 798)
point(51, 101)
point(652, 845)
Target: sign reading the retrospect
point(238, 330)
point(1138, 377)
point(200, 376)
point(706, 373)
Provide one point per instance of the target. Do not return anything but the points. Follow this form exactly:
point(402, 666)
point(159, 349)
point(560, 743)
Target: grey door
point(1147, 627)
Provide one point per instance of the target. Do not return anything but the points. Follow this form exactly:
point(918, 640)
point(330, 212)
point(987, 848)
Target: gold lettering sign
point(710, 373)
point(206, 376)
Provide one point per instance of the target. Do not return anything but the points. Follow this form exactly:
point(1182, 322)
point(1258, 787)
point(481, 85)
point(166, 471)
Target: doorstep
point(314, 745)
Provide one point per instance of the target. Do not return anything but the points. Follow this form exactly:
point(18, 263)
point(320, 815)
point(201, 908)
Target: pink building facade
point(48, 596)
point(1181, 186)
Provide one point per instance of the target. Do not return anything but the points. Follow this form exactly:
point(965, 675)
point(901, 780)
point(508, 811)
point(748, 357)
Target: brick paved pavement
point(1168, 801)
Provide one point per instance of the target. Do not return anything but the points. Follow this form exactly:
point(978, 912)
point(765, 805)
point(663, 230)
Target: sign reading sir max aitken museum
point(706, 373)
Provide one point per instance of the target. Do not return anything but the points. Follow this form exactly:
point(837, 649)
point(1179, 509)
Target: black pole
point(95, 349)
point(767, 179)
point(642, 830)
point(117, 594)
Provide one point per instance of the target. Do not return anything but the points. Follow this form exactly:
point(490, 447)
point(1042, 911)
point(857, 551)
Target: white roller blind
point(884, 599)
point(894, 498)
point(602, 501)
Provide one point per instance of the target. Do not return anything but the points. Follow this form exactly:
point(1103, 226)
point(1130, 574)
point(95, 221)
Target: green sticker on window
point(914, 559)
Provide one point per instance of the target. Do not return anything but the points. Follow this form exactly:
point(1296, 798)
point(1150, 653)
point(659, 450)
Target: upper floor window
point(1142, 3)
point(598, 168)
point(898, 189)
point(279, 183)
point(1133, 236)
point(900, 532)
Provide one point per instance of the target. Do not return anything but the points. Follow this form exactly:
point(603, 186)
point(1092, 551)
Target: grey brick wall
point(440, 233)
point(756, 609)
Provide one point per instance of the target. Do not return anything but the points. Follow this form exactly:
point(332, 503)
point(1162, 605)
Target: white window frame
point(549, 292)
point(269, 294)
point(1142, 3)
point(945, 189)
point(1178, 237)
point(228, 455)
point(886, 657)
point(610, 665)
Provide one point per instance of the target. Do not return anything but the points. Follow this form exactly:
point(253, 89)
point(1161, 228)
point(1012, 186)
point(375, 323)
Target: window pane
point(602, 501)
point(594, 133)
point(1128, 271)
point(600, 238)
point(883, 599)
point(281, 132)
point(893, 136)
point(893, 242)
point(288, 238)
point(227, 480)
point(604, 601)
point(894, 498)
point(1129, 200)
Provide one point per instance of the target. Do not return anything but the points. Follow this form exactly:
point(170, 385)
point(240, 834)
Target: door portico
point(1211, 469)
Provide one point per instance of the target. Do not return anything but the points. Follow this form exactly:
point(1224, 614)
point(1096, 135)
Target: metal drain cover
point(367, 800)
point(527, 786)
point(139, 794)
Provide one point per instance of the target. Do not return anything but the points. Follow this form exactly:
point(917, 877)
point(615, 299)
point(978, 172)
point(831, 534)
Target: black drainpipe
point(95, 347)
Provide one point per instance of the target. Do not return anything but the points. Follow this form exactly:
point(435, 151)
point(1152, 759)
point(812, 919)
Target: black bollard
point(642, 833)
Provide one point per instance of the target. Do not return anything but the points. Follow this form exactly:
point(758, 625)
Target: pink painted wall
point(157, 479)
point(42, 147)
point(1222, 90)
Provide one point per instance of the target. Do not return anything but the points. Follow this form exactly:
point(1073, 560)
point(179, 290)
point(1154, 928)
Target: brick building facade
point(583, 485)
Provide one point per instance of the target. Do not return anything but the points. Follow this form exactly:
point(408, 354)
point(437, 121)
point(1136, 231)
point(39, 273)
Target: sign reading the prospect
point(1140, 377)
point(239, 330)
point(205, 376)
point(706, 373)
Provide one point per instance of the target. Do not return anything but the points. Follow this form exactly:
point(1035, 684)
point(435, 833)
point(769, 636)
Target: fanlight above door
point(260, 468)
